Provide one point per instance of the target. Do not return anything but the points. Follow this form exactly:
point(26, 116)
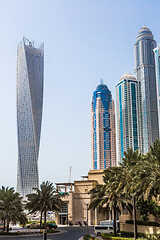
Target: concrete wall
point(141, 229)
point(96, 175)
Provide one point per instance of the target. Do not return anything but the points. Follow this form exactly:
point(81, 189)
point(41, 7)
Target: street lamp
point(45, 234)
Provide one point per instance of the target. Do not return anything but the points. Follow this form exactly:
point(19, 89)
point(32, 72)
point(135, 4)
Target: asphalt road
point(68, 233)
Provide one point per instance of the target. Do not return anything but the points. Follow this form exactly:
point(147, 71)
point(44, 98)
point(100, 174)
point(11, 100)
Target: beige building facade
point(77, 200)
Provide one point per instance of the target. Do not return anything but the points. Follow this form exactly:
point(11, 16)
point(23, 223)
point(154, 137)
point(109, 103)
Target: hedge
point(148, 223)
point(119, 238)
point(114, 238)
point(86, 237)
point(131, 234)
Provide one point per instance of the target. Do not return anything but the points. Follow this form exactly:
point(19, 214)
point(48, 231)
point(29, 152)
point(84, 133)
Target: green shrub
point(143, 236)
point(104, 236)
point(152, 236)
point(148, 223)
point(51, 222)
point(131, 234)
point(127, 234)
point(86, 237)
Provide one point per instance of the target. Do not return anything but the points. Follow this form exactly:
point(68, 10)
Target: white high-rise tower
point(30, 71)
point(157, 65)
point(127, 111)
point(145, 75)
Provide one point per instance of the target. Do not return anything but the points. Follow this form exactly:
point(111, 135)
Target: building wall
point(140, 229)
point(126, 215)
point(77, 206)
point(81, 199)
point(78, 199)
point(96, 175)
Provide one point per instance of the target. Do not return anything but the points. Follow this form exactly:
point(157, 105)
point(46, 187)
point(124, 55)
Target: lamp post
point(87, 218)
point(45, 234)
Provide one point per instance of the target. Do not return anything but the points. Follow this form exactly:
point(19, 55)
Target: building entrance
point(63, 215)
point(63, 219)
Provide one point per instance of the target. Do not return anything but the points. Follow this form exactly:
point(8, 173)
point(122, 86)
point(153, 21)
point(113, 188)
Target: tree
point(34, 204)
point(106, 195)
point(150, 172)
point(43, 200)
point(147, 207)
point(11, 209)
point(147, 180)
point(130, 165)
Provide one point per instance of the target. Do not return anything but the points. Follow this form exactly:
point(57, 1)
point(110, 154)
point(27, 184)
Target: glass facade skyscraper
point(145, 74)
point(128, 135)
point(103, 135)
point(157, 64)
point(30, 73)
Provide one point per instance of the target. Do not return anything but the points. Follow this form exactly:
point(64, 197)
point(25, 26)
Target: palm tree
point(130, 165)
point(150, 172)
point(106, 195)
point(43, 200)
point(11, 209)
point(34, 204)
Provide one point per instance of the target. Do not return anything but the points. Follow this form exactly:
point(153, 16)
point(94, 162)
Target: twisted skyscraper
point(103, 135)
point(30, 71)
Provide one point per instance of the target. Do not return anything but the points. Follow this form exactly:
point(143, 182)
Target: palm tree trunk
point(41, 219)
point(134, 217)
point(45, 232)
point(7, 226)
point(4, 225)
point(114, 213)
point(45, 213)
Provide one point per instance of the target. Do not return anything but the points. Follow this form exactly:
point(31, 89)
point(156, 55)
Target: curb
point(31, 235)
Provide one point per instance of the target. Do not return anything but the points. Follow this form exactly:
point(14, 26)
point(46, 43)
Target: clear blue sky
point(85, 41)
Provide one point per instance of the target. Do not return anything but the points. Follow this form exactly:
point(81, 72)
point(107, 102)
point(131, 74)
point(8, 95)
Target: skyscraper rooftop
point(102, 86)
point(127, 76)
point(144, 32)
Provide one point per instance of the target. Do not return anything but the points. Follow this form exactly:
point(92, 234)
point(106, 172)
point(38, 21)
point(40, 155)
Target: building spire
point(101, 81)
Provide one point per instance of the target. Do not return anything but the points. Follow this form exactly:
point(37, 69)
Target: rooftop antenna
point(101, 81)
point(144, 25)
point(70, 169)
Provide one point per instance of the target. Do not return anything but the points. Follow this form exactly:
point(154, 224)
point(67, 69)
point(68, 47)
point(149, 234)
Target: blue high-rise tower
point(103, 135)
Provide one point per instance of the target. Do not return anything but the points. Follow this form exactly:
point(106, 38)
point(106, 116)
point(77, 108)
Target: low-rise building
point(76, 201)
point(76, 198)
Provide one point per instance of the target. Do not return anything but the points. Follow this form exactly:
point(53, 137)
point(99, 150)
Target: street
point(68, 233)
